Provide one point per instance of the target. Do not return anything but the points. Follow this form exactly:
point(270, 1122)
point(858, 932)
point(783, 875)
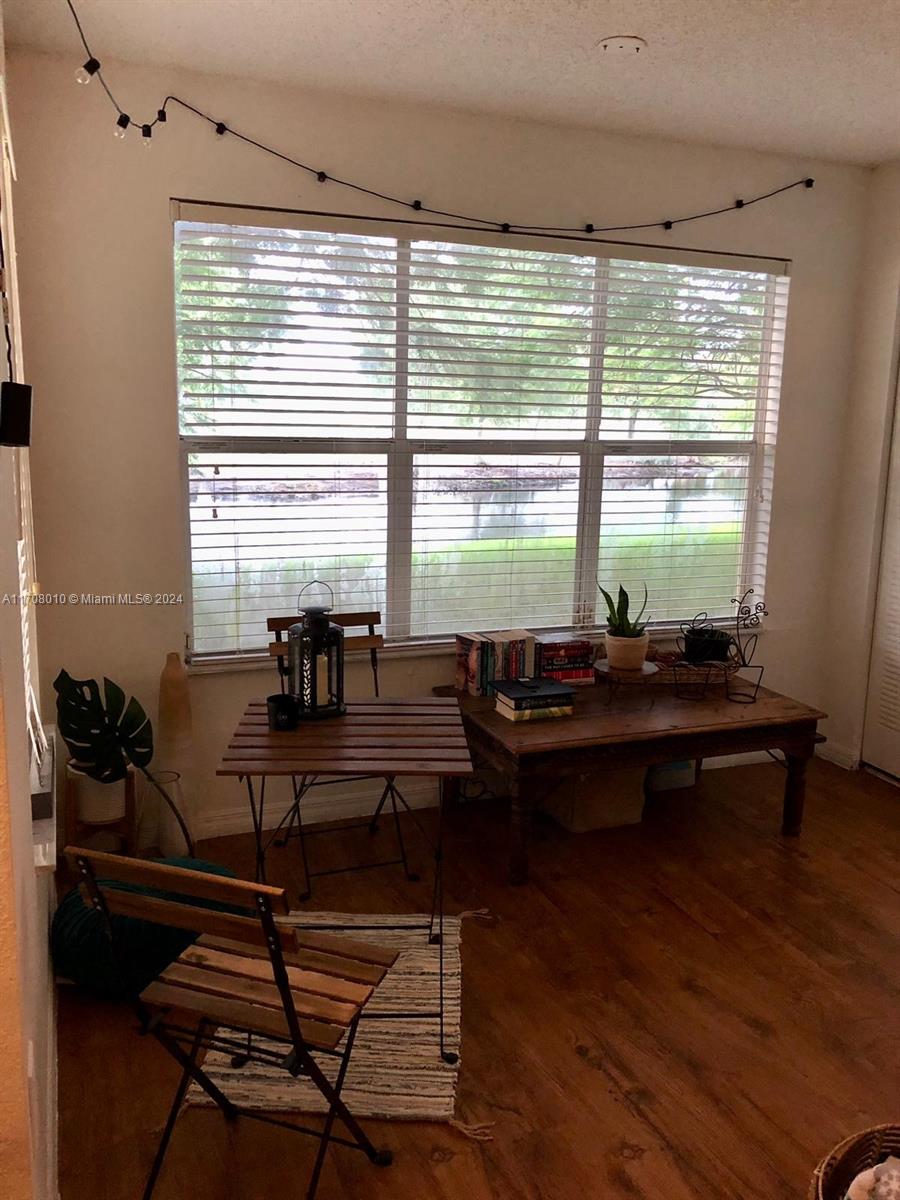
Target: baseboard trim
point(735, 760)
point(332, 803)
point(841, 756)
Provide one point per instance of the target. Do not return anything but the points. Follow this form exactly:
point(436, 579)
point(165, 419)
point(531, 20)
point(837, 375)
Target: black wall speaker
point(15, 414)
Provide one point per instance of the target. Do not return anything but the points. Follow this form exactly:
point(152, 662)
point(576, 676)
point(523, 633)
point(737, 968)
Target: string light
point(86, 73)
point(92, 67)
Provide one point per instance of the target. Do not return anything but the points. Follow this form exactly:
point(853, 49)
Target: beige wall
point(868, 423)
point(95, 242)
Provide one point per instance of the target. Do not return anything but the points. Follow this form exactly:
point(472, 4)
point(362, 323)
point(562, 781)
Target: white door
point(881, 737)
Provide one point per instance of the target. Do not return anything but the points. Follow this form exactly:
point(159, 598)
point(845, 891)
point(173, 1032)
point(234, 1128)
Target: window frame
point(592, 449)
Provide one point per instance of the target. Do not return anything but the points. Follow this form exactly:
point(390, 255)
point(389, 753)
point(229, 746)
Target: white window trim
point(592, 450)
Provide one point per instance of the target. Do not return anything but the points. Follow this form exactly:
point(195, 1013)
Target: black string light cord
point(92, 67)
point(6, 315)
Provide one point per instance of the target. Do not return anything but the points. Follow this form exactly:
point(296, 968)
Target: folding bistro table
point(383, 738)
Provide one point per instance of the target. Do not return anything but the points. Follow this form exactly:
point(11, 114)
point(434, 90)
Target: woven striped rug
point(396, 1070)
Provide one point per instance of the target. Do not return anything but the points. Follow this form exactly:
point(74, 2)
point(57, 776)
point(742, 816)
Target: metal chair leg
point(189, 1063)
point(332, 1113)
point(331, 1093)
point(177, 1102)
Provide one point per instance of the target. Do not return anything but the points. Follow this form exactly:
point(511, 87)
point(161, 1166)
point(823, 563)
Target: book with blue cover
point(527, 693)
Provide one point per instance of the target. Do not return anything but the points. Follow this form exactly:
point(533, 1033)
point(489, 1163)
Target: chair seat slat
point(312, 960)
point(251, 967)
point(210, 981)
point(348, 948)
point(235, 1014)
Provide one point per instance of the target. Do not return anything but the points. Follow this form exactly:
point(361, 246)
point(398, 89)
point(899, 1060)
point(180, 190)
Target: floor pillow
point(83, 953)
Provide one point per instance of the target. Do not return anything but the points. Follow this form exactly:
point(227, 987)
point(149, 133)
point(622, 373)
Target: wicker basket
point(836, 1171)
point(690, 673)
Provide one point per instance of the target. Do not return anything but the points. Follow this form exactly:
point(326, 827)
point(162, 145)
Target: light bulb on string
point(86, 73)
point(92, 67)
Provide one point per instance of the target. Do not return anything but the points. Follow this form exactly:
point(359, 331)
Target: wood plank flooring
point(689, 1009)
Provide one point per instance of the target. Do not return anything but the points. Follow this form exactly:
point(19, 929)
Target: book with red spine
point(571, 675)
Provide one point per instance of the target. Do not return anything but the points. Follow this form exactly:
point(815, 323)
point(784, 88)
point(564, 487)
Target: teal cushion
point(82, 950)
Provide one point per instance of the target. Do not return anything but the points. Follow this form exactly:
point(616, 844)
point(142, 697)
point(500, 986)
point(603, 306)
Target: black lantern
point(316, 660)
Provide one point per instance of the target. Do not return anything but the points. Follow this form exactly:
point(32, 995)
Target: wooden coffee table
point(534, 756)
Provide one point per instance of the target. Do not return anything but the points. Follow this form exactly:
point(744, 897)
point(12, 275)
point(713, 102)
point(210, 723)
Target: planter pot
point(104, 811)
point(701, 647)
point(627, 654)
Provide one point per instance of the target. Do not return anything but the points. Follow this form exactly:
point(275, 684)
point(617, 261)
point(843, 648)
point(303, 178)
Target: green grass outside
point(542, 573)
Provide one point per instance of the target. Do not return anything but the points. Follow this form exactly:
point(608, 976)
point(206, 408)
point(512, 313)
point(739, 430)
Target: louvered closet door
point(881, 740)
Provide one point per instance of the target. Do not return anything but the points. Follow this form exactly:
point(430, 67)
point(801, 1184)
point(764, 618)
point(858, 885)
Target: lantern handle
point(321, 583)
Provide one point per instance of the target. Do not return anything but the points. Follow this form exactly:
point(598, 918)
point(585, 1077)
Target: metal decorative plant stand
point(693, 680)
point(710, 658)
point(742, 687)
point(615, 678)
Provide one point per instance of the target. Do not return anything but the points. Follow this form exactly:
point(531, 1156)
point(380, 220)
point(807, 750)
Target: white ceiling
point(817, 78)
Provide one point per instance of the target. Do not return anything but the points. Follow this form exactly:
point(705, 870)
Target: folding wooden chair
point(246, 975)
point(293, 821)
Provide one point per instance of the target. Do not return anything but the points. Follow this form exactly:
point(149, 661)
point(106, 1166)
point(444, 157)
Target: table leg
point(449, 785)
point(519, 830)
point(794, 794)
point(436, 932)
point(256, 813)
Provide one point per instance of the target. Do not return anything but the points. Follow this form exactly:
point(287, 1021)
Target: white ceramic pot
point(627, 654)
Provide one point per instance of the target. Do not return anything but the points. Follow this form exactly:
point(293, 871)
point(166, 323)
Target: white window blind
point(467, 436)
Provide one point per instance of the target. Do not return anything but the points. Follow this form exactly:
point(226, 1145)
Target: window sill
point(259, 660)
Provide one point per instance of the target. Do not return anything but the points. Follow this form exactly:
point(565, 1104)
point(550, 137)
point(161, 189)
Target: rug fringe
point(476, 1133)
point(478, 914)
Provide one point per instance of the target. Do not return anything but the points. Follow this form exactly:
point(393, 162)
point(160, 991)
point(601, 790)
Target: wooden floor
point(691, 1009)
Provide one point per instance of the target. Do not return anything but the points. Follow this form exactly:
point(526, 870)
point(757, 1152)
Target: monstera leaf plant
point(104, 734)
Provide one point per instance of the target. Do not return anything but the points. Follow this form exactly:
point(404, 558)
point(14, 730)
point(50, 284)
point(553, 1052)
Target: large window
point(466, 436)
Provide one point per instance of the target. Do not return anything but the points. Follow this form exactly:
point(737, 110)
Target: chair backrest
point(254, 904)
point(371, 641)
point(252, 925)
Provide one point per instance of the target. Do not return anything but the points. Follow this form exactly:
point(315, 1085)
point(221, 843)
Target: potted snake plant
point(626, 639)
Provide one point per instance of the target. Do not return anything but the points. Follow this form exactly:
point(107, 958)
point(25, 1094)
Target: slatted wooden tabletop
point(383, 737)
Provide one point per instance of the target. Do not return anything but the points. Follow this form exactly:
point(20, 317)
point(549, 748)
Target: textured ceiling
point(816, 78)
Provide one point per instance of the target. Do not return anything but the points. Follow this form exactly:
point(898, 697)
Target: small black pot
point(284, 713)
point(705, 645)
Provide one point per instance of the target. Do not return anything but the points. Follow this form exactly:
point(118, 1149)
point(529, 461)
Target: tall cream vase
point(627, 653)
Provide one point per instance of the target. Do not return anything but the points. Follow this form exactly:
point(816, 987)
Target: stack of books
point(533, 699)
point(564, 658)
point(482, 658)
